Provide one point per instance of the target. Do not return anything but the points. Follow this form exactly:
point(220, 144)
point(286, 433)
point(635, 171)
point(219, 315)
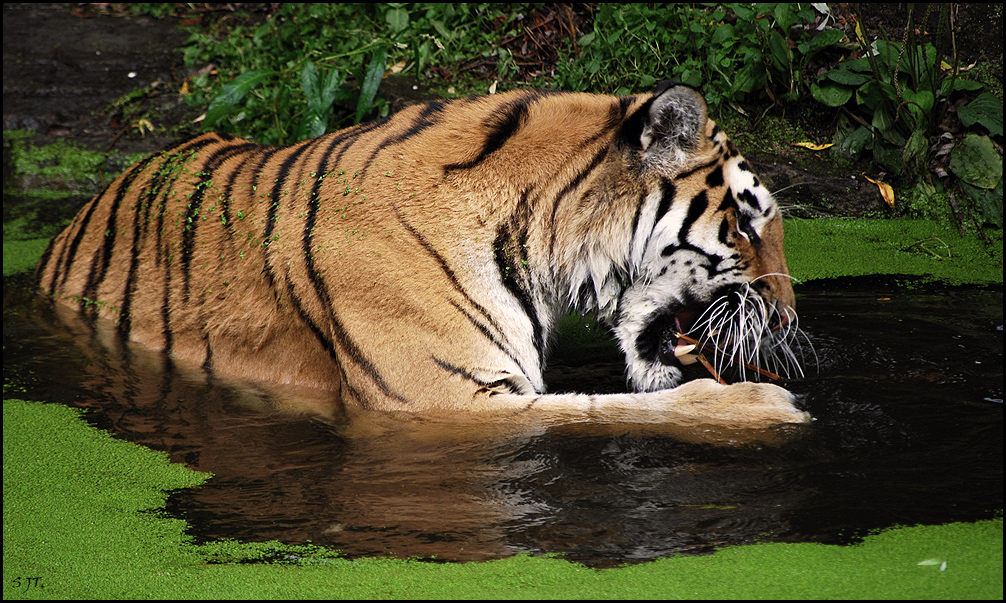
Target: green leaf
point(914, 152)
point(861, 65)
point(723, 33)
point(888, 157)
point(781, 56)
point(320, 96)
point(888, 52)
point(785, 15)
point(371, 82)
point(831, 96)
point(924, 100)
point(330, 87)
point(874, 94)
point(847, 77)
point(232, 93)
point(858, 141)
point(647, 81)
point(883, 123)
point(975, 161)
point(986, 110)
point(309, 82)
point(312, 126)
point(951, 85)
point(397, 19)
point(989, 200)
point(442, 30)
point(919, 105)
point(825, 39)
point(746, 13)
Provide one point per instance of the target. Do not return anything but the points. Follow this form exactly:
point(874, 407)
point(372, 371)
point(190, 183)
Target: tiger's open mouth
point(659, 341)
point(671, 350)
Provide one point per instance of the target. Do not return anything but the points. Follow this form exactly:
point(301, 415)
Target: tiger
point(421, 262)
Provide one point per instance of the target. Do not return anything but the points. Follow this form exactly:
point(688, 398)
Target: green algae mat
point(84, 512)
point(836, 247)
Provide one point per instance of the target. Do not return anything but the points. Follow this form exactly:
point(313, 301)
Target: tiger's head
point(706, 255)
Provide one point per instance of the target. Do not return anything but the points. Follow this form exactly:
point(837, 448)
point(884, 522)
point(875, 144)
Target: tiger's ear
point(674, 126)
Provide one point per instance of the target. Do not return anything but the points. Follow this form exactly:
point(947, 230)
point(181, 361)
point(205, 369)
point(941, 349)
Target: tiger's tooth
point(681, 349)
point(684, 355)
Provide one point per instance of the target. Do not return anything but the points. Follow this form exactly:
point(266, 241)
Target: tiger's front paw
point(743, 404)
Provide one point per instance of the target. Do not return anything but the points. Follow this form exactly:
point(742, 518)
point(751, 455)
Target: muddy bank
point(62, 72)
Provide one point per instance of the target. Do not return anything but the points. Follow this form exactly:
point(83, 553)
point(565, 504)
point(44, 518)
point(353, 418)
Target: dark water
point(907, 399)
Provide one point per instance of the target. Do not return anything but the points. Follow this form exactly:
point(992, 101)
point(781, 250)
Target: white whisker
point(747, 332)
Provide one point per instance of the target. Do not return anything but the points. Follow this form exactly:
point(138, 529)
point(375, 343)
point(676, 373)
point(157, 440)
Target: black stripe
point(449, 273)
point(724, 234)
point(314, 198)
point(351, 350)
point(506, 253)
point(502, 125)
point(697, 168)
point(182, 157)
point(667, 192)
point(727, 202)
point(750, 198)
point(696, 208)
point(639, 212)
point(225, 201)
point(113, 213)
point(428, 117)
point(618, 112)
point(345, 342)
point(570, 186)
point(139, 226)
point(43, 263)
point(715, 178)
point(320, 289)
point(493, 338)
point(353, 135)
point(277, 191)
point(630, 132)
point(462, 372)
point(191, 220)
point(69, 251)
point(173, 160)
point(264, 158)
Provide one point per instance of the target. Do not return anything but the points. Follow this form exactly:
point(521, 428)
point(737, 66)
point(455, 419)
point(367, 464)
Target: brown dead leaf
point(886, 190)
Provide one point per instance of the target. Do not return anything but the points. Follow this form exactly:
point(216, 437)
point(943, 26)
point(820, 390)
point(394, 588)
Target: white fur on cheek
point(638, 304)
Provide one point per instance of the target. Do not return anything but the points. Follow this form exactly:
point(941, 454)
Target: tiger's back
point(413, 263)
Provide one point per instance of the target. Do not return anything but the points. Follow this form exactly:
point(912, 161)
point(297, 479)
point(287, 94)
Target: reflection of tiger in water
point(421, 263)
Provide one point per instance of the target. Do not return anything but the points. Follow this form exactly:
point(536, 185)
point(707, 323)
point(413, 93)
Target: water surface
point(907, 400)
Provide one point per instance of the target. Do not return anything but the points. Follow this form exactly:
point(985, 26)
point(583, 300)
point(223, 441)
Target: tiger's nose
point(781, 316)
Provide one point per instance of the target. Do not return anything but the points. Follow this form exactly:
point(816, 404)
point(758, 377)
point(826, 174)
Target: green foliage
point(896, 98)
point(312, 68)
point(733, 52)
point(978, 164)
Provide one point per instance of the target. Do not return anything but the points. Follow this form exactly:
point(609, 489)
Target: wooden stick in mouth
point(713, 350)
